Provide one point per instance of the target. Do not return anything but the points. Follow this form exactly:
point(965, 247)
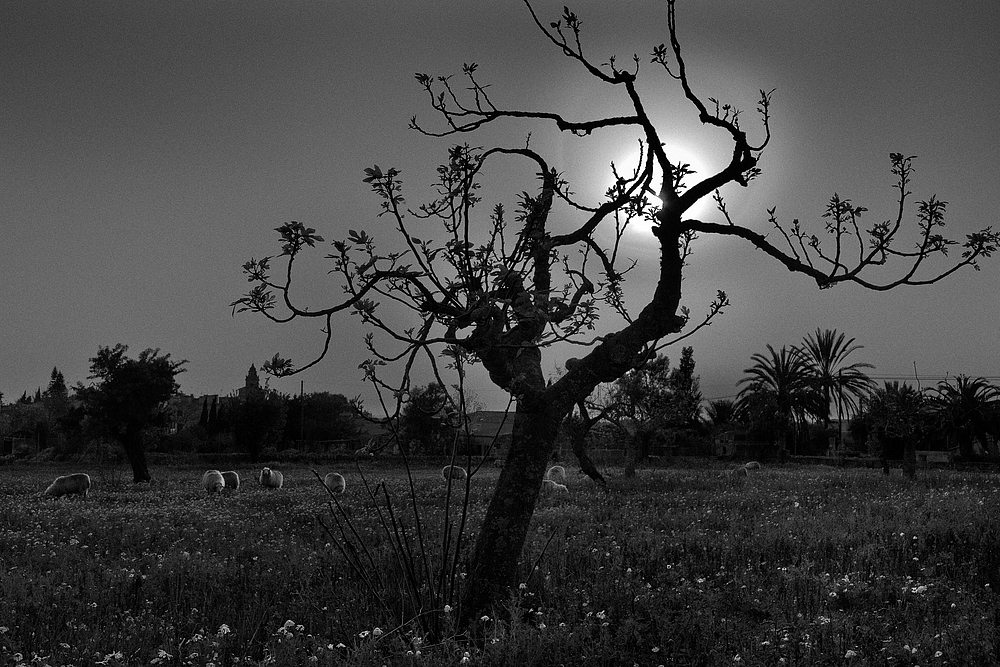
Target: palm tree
point(826, 354)
point(967, 409)
point(897, 417)
point(721, 412)
point(782, 380)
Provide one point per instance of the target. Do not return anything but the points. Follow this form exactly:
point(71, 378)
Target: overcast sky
point(148, 149)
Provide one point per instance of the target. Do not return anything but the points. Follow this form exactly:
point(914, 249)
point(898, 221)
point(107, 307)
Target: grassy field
point(681, 566)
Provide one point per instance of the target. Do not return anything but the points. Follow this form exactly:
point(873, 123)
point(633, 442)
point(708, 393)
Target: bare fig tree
point(498, 289)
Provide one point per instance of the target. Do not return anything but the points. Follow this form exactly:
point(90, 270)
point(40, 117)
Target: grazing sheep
point(556, 474)
point(549, 487)
point(753, 465)
point(335, 482)
point(232, 479)
point(213, 481)
point(271, 479)
point(739, 471)
point(454, 472)
point(76, 483)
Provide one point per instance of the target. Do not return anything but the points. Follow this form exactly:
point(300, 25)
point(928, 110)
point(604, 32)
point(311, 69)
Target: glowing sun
point(678, 155)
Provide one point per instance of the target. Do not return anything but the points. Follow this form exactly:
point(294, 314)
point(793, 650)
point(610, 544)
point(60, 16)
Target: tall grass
point(796, 566)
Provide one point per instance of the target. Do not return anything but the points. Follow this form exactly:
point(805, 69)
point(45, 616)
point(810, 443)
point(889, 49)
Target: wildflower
point(288, 624)
point(522, 586)
point(851, 653)
point(484, 618)
point(377, 632)
point(466, 659)
point(224, 630)
point(341, 645)
point(18, 657)
point(938, 654)
point(4, 629)
point(447, 607)
point(601, 615)
point(363, 634)
point(656, 649)
point(737, 658)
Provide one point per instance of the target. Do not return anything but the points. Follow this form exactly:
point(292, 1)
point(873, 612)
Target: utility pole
point(302, 413)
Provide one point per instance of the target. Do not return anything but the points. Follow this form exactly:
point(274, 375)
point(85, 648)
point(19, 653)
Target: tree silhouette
point(967, 408)
point(498, 290)
point(778, 390)
point(897, 416)
point(826, 354)
point(129, 396)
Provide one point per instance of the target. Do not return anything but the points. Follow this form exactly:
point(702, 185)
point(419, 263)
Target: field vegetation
point(677, 566)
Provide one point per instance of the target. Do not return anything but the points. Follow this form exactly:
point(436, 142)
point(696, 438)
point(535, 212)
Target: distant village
point(49, 424)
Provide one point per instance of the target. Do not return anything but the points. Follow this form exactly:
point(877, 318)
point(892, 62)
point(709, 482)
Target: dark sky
point(150, 148)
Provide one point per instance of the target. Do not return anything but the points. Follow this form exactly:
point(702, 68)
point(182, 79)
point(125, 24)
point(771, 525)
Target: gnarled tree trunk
point(493, 568)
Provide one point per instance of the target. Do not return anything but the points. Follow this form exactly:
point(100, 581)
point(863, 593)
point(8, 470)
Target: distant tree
point(967, 408)
point(650, 399)
point(57, 407)
point(129, 396)
point(320, 416)
point(428, 422)
point(497, 289)
point(25, 399)
point(256, 418)
point(897, 417)
point(57, 385)
point(778, 393)
point(826, 354)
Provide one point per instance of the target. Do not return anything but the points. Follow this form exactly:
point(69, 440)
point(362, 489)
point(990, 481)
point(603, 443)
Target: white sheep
point(739, 471)
point(335, 482)
point(753, 465)
point(213, 481)
point(454, 472)
point(556, 474)
point(271, 479)
point(549, 487)
point(76, 483)
point(232, 479)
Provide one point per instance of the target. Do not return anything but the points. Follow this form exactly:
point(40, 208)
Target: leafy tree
point(826, 355)
point(648, 400)
point(499, 289)
point(967, 408)
point(129, 396)
point(641, 401)
point(778, 393)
